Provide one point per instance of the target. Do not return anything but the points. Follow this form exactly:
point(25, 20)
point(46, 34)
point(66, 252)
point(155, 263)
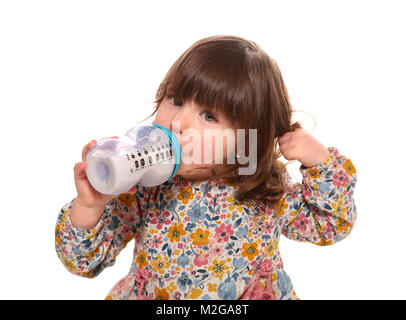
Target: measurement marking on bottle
point(142, 165)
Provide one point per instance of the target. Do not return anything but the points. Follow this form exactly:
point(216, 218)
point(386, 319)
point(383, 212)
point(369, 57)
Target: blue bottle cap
point(176, 148)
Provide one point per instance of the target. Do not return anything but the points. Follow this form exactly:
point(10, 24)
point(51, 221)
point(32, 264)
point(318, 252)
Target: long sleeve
point(86, 252)
point(321, 210)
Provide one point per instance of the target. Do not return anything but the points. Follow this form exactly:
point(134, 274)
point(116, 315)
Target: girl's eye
point(208, 116)
point(175, 102)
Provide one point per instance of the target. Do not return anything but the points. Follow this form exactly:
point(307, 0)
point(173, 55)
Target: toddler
point(212, 230)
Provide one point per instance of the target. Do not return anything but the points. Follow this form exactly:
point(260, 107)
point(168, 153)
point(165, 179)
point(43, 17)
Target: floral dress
point(192, 243)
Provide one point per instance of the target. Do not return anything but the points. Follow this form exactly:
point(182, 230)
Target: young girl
point(210, 232)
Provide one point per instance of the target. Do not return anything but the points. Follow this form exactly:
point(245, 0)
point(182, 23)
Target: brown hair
point(236, 77)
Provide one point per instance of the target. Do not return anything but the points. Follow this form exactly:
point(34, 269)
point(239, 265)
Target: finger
point(286, 139)
point(282, 142)
point(86, 149)
point(80, 170)
point(285, 148)
point(290, 153)
point(285, 136)
point(281, 139)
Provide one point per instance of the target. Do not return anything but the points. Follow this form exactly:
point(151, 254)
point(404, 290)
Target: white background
point(72, 71)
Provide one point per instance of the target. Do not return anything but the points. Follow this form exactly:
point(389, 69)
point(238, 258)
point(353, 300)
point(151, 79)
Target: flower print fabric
point(192, 243)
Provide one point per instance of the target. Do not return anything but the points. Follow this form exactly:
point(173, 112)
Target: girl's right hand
point(87, 195)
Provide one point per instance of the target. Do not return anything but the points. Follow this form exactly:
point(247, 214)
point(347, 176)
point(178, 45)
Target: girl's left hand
point(302, 146)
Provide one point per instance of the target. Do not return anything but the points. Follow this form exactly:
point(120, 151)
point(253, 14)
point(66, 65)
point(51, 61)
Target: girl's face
point(190, 123)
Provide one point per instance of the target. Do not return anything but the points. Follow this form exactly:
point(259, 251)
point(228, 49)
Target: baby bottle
point(147, 155)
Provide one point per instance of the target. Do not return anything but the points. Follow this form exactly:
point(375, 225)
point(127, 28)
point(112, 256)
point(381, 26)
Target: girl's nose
point(180, 121)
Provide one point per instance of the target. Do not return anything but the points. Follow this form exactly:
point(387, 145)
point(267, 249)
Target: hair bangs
point(214, 79)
